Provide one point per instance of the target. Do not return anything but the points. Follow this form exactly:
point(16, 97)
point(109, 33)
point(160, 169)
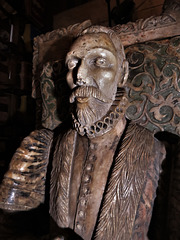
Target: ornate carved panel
point(154, 85)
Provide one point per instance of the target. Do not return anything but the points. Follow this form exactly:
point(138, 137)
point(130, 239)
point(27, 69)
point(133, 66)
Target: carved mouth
point(82, 99)
point(87, 92)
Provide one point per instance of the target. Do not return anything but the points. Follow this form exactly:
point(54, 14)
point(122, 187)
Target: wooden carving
point(154, 85)
point(118, 220)
point(105, 169)
point(100, 107)
point(48, 59)
point(23, 186)
point(143, 30)
point(153, 103)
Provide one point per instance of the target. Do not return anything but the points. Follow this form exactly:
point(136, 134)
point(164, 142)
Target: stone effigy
point(105, 168)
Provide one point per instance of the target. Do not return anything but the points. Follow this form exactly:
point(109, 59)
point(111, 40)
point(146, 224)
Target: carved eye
point(72, 63)
point(100, 62)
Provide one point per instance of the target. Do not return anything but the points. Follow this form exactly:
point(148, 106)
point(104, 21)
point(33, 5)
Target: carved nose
point(82, 75)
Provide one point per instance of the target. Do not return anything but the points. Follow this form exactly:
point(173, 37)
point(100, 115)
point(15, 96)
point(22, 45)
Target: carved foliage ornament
point(55, 94)
point(154, 85)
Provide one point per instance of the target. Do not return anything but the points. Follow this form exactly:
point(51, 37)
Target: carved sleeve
point(23, 186)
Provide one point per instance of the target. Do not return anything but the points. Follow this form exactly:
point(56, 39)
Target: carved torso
point(97, 184)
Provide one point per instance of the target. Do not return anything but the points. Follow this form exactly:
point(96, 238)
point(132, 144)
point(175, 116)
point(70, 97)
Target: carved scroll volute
point(50, 49)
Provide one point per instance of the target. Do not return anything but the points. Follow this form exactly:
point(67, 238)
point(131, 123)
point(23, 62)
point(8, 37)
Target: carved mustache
point(88, 91)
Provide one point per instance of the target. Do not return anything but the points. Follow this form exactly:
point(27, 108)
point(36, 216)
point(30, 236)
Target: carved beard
point(110, 118)
point(94, 109)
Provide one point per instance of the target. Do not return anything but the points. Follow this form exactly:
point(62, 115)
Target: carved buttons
point(87, 178)
point(79, 226)
point(81, 213)
point(83, 202)
point(89, 167)
point(85, 189)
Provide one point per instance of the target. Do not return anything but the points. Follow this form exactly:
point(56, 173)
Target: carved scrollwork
point(55, 94)
point(49, 108)
point(154, 85)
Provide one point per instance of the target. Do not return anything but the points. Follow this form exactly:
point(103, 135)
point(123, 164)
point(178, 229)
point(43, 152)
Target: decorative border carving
point(166, 25)
point(145, 24)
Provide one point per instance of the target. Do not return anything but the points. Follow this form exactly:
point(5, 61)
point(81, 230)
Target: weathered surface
point(110, 170)
point(153, 87)
point(105, 170)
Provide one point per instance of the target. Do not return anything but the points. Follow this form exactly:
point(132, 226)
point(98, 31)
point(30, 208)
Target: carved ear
point(124, 74)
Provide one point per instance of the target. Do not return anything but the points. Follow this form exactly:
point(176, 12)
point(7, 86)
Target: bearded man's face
point(92, 64)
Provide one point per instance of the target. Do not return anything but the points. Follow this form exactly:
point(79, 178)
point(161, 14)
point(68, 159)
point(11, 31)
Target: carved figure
point(105, 169)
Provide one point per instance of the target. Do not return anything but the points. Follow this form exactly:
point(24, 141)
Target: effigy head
point(97, 67)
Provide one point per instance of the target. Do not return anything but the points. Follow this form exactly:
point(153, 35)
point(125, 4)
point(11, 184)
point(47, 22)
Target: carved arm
point(23, 186)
